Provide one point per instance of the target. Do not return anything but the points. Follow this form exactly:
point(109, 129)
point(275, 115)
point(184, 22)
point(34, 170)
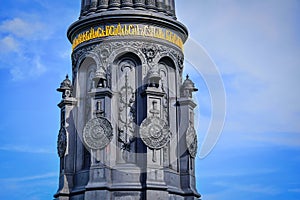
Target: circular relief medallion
point(155, 132)
point(62, 142)
point(97, 133)
point(191, 141)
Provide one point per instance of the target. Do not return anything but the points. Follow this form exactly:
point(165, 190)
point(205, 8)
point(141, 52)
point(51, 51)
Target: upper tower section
point(164, 7)
point(112, 19)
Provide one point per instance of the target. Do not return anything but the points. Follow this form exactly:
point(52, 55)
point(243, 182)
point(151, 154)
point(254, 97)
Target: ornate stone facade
point(127, 129)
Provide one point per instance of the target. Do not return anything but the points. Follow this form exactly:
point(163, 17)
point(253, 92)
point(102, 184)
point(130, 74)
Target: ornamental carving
point(150, 51)
point(145, 49)
point(127, 110)
point(62, 142)
point(97, 133)
point(155, 132)
point(191, 141)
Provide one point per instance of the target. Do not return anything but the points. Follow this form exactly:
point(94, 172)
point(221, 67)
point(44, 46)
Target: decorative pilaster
point(155, 133)
point(65, 139)
point(188, 137)
point(98, 134)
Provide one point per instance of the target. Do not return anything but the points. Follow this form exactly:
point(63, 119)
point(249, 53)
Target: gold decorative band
point(128, 30)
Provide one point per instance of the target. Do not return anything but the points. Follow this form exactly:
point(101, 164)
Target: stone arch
point(124, 50)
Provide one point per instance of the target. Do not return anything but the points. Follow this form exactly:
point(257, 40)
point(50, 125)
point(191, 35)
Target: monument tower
point(127, 119)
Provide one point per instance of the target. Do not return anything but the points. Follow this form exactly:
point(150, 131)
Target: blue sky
point(255, 46)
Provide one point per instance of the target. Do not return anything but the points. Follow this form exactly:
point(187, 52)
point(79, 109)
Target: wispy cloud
point(238, 173)
point(26, 149)
point(8, 44)
point(257, 55)
point(30, 178)
point(251, 188)
point(30, 29)
point(295, 190)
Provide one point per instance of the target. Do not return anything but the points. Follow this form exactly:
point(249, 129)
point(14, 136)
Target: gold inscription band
point(128, 30)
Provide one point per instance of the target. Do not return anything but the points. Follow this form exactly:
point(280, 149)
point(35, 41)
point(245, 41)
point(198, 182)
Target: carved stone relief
point(191, 141)
point(155, 132)
point(97, 133)
point(165, 88)
point(62, 142)
point(127, 106)
point(150, 51)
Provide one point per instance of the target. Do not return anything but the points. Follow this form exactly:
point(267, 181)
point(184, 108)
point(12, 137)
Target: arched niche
point(126, 70)
point(168, 73)
point(84, 83)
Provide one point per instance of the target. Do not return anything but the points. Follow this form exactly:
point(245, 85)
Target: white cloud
point(256, 47)
point(8, 44)
point(38, 68)
point(21, 28)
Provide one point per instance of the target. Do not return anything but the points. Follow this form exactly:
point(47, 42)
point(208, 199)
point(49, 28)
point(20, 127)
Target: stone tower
point(127, 119)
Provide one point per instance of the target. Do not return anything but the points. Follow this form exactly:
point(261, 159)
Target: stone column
point(114, 4)
point(160, 5)
point(102, 5)
point(87, 4)
point(139, 4)
point(82, 7)
point(172, 4)
point(167, 6)
point(126, 4)
point(150, 4)
point(93, 6)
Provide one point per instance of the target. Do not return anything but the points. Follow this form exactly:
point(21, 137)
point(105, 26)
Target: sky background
point(256, 48)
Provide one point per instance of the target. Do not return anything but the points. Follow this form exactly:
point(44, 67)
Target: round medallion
point(191, 141)
point(62, 142)
point(155, 132)
point(97, 133)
